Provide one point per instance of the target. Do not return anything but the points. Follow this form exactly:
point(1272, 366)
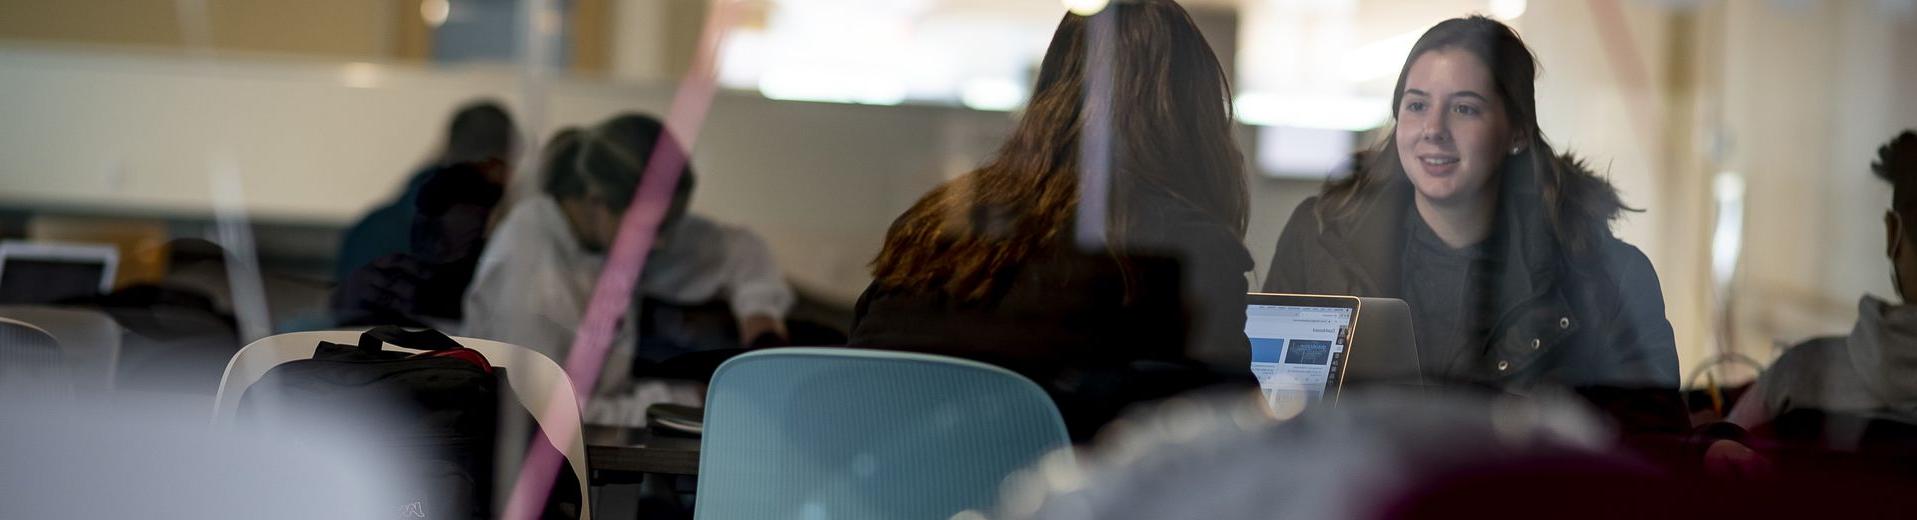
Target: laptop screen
point(1297, 352)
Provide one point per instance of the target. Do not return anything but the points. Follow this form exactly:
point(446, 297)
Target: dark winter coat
point(1557, 314)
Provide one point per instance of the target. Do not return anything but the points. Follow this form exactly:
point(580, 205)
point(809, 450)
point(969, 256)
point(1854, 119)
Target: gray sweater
point(1872, 373)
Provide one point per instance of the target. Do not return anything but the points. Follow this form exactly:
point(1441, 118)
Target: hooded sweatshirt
point(1871, 373)
point(535, 280)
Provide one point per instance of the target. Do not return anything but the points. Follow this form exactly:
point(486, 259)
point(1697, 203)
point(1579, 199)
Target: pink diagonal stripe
point(613, 293)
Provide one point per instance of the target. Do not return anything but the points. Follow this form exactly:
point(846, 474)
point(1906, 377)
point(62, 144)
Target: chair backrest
point(31, 364)
point(852, 434)
point(29, 338)
point(89, 340)
point(539, 383)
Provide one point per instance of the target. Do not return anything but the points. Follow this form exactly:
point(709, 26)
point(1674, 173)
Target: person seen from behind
point(1135, 295)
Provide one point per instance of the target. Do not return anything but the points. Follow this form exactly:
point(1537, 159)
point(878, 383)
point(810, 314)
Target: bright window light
point(1379, 59)
point(1085, 7)
point(1305, 110)
point(1508, 9)
point(886, 52)
point(1303, 153)
point(1727, 237)
point(995, 94)
point(808, 83)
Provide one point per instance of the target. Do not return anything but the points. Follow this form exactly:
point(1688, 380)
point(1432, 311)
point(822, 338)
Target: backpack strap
point(423, 339)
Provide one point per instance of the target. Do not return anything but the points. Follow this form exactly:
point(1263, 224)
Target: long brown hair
point(1578, 206)
point(1169, 119)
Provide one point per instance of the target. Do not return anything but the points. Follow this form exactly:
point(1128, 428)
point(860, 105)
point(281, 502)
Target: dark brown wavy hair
point(1169, 119)
point(1577, 205)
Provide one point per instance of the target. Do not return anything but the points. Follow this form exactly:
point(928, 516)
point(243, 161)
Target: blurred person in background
point(988, 267)
point(1871, 373)
point(481, 132)
point(425, 286)
point(1501, 246)
point(539, 270)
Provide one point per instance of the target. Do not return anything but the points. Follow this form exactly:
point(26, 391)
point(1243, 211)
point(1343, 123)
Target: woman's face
point(1452, 132)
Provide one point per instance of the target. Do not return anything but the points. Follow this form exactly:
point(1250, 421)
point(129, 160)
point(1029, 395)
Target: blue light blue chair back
point(847, 434)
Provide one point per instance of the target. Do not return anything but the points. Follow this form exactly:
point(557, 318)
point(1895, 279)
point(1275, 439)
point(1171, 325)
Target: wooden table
point(618, 455)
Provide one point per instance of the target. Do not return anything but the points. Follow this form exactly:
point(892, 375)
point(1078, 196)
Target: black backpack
point(435, 414)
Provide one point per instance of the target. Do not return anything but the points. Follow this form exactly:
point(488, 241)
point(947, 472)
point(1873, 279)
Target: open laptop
point(1305, 348)
point(36, 272)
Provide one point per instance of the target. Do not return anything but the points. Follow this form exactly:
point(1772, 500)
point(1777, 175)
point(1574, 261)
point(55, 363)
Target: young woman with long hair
point(1501, 246)
point(993, 265)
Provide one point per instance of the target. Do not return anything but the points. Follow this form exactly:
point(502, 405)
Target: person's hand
point(1731, 459)
point(760, 330)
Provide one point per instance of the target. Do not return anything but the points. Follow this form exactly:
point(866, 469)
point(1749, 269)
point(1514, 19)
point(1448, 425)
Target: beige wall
point(360, 29)
point(1610, 106)
point(138, 22)
point(1798, 96)
point(1793, 96)
point(592, 24)
point(653, 40)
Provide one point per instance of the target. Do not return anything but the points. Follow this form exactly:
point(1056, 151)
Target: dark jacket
point(1557, 316)
point(1064, 320)
point(424, 284)
point(384, 231)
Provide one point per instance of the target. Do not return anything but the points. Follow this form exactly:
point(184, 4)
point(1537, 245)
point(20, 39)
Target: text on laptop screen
point(1297, 352)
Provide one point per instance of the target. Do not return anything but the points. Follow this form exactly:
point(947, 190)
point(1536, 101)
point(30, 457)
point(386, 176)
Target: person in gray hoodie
point(1871, 373)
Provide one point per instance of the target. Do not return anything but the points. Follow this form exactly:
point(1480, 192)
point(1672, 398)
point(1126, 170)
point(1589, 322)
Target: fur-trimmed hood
point(1576, 210)
point(1542, 228)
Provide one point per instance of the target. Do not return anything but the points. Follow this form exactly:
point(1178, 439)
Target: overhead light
point(1085, 7)
point(359, 75)
point(435, 11)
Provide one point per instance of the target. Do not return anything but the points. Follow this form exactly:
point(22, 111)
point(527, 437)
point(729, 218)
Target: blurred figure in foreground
point(539, 270)
point(481, 132)
point(1872, 373)
point(143, 457)
point(1144, 301)
point(1502, 247)
point(1384, 453)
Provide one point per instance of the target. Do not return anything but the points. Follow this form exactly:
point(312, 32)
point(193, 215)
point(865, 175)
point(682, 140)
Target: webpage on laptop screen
point(1296, 351)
